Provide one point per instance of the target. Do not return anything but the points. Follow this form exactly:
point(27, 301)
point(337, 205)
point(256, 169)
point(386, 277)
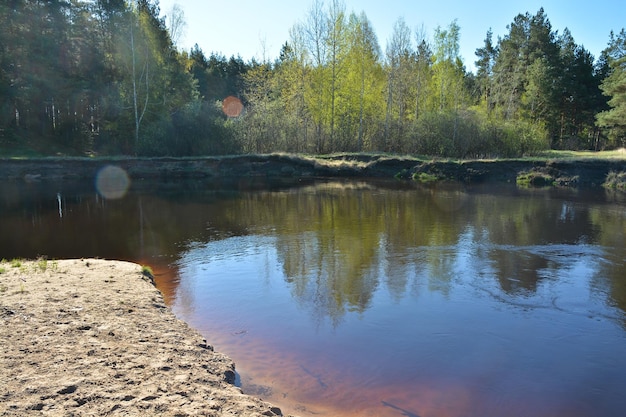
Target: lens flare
point(112, 182)
point(232, 106)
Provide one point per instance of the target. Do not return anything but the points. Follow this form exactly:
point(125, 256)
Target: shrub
point(535, 179)
point(471, 134)
point(615, 180)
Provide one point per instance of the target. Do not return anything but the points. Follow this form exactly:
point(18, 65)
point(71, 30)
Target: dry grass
point(614, 154)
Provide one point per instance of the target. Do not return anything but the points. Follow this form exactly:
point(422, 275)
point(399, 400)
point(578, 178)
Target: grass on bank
point(337, 162)
point(334, 159)
point(573, 155)
point(425, 177)
point(615, 181)
point(147, 271)
point(40, 264)
point(535, 179)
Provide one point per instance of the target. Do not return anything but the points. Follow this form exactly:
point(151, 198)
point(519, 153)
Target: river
point(370, 298)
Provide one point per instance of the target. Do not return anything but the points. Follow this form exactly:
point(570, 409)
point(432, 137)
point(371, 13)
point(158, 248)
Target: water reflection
point(425, 301)
point(362, 298)
point(335, 242)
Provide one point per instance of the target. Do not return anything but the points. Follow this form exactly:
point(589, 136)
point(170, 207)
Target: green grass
point(425, 177)
point(553, 154)
point(335, 159)
point(25, 147)
point(534, 179)
point(42, 264)
point(615, 181)
point(147, 271)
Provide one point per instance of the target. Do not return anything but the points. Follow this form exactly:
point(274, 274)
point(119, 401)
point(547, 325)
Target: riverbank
point(588, 170)
point(94, 337)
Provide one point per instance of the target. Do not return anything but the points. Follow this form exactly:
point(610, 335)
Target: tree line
point(105, 77)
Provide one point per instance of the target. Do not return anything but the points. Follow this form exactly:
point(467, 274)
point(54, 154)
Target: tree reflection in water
point(371, 298)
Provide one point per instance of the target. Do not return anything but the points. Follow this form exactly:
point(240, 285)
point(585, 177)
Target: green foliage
point(42, 264)
point(534, 89)
point(614, 86)
point(448, 70)
point(99, 77)
point(425, 177)
point(105, 77)
point(147, 271)
point(470, 134)
point(542, 78)
point(615, 180)
point(196, 129)
point(534, 179)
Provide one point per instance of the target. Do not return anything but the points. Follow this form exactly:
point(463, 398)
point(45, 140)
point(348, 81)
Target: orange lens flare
point(232, 106)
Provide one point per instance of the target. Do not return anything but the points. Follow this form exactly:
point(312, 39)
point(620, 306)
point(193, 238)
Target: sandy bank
point(94, 337)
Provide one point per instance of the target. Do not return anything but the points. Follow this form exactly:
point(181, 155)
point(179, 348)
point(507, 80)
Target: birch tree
point(399, 53)
point(364, 81)
point(336, 40)
point(176, 23)
point(448, 71)
point(312, 33)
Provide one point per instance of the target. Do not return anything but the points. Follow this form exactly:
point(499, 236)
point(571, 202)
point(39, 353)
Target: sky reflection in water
point(363, 302)
point(371, 299)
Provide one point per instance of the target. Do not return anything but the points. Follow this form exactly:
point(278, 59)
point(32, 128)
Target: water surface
point(380, 299)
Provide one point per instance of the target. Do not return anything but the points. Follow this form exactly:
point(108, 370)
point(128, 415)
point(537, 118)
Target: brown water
point(372, 299)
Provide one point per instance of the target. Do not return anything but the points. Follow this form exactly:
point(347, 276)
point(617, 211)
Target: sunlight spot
point(112, 182)
point(232, 106)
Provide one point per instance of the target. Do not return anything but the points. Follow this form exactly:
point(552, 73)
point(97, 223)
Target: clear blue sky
point(242, 27)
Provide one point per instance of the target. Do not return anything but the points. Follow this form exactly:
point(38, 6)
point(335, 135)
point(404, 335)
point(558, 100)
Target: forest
point(105, 77)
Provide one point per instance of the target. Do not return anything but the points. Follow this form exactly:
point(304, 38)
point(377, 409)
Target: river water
point(355, 298)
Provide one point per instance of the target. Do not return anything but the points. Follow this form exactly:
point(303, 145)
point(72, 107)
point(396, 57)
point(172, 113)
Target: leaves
point(614, 86)
point(82, 76)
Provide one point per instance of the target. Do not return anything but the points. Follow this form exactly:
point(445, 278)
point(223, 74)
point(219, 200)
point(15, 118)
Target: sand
point(94, 337)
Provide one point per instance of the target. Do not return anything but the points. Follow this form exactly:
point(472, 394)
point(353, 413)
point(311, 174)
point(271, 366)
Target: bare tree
point(177, 24)
point(315, 29)
point(139, 113)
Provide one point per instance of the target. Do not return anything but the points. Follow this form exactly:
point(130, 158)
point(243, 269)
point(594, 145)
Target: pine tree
point(614, 86)
point(487, 56)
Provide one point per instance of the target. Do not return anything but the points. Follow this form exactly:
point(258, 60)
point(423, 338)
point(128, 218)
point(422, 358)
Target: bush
point(535, 179)
point(196, 129)
point(469, 134)
point(615, 180)
point(512, 138)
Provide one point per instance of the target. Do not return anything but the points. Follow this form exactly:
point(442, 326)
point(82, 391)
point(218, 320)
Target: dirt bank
point(585, 171)
point(94, 337)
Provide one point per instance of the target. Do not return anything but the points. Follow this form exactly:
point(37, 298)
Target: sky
point(258, 29)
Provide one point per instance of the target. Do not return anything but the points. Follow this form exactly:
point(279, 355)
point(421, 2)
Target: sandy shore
point(94, 337)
